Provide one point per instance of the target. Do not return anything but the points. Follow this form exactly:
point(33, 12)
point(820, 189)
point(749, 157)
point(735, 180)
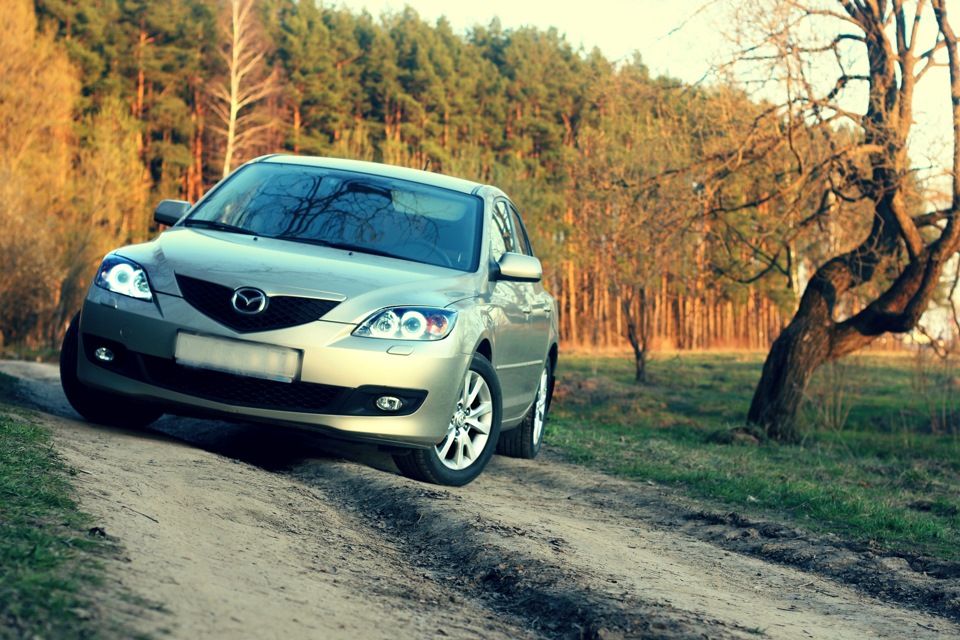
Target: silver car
point(360, 300)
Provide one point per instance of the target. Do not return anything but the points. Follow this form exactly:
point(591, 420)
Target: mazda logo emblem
point(249, 301)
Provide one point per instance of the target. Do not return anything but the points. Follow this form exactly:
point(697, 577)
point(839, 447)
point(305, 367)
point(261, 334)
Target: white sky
point(617, 27)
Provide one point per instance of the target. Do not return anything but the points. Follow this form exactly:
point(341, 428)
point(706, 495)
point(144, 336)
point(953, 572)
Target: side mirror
point(169, 212)
point(516, 267)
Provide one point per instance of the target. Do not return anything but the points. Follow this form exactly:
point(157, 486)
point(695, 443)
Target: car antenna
point(426, 164)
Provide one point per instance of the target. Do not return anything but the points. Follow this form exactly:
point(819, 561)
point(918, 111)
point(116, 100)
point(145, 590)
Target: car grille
point(214, 301)
point(242, 391)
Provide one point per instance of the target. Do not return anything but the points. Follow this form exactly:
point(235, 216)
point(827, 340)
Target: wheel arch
point(554, 356)
point(485, 348)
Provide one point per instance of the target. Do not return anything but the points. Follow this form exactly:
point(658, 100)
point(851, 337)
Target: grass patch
point(47, 555)
point(879, 464)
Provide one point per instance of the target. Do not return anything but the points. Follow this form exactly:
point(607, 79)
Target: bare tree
point(246, 82)
point(632, 235)
point(844, 143)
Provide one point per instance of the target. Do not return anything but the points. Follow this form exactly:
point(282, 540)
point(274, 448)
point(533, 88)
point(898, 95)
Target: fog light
point(104, 355)
point(389, 403)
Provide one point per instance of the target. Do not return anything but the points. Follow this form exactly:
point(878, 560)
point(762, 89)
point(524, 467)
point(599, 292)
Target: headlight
point(125, 277)
point(408, 323)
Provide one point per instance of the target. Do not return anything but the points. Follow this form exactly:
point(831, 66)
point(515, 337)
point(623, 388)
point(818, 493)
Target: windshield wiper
point(217, 226)
point(337, 245)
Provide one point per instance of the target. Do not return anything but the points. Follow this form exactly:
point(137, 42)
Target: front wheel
point(96, 405)
point(525, 440)
point(471, 435)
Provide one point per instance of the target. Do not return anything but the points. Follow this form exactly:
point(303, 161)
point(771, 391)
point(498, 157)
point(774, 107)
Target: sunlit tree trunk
point(193, 181)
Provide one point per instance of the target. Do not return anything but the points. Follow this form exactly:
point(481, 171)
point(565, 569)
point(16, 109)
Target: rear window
point(397, 218)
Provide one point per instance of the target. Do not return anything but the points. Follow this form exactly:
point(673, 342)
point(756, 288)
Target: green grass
point(48, 559)
point(879, 462)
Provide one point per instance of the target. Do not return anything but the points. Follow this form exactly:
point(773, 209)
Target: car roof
point(378, 169)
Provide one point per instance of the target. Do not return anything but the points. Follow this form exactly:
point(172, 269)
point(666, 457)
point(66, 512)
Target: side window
point(501, 233)
point(523, 242)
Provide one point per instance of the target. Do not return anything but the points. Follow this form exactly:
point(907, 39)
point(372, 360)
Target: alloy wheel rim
point(540, 409)
point(469, 427)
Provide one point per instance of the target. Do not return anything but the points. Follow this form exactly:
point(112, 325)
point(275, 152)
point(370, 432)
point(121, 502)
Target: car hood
point(360, 281)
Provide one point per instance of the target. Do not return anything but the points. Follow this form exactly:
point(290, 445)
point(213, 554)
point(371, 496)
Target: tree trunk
point(571, 291)
point(813, 337)
point(637, 331)
point(795, 355)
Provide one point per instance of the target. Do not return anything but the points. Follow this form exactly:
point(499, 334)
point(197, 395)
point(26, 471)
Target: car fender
point(475, 324)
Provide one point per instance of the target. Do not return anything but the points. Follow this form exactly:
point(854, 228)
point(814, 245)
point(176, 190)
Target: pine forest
point(109, 106)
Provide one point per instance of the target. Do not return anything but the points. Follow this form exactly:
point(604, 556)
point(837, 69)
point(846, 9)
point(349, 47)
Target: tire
point(471, 435)
point(524, 441)
point(96, 405)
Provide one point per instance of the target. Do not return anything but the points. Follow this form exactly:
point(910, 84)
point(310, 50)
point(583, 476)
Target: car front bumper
point(340, 375)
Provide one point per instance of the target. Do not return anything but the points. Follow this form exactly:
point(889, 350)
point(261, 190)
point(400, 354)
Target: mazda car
point(364, 301)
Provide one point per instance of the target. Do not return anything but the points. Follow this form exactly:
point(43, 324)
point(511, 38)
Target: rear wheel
point(96, 405)
point(471, 434)
point(525, 440)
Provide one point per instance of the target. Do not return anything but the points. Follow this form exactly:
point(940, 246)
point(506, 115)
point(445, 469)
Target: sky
point(617, 27)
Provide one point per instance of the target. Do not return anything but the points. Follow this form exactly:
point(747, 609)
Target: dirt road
point(244, 531)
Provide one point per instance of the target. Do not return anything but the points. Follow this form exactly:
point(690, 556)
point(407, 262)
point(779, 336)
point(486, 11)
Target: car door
point(539, 302)
point(522, 329)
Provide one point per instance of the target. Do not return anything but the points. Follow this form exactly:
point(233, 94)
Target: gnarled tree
point(837, 148)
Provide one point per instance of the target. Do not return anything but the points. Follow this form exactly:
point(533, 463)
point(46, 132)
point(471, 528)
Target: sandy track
point(230, 531)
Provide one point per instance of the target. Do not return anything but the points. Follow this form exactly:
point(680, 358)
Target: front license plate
point(233, 356)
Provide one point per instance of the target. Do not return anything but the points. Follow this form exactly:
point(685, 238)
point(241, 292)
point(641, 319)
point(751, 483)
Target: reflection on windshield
point(349, 210)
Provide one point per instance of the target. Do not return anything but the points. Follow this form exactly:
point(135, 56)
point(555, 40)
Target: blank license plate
point(242, 358)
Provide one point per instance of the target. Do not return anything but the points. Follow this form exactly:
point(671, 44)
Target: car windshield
point(355, 211)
